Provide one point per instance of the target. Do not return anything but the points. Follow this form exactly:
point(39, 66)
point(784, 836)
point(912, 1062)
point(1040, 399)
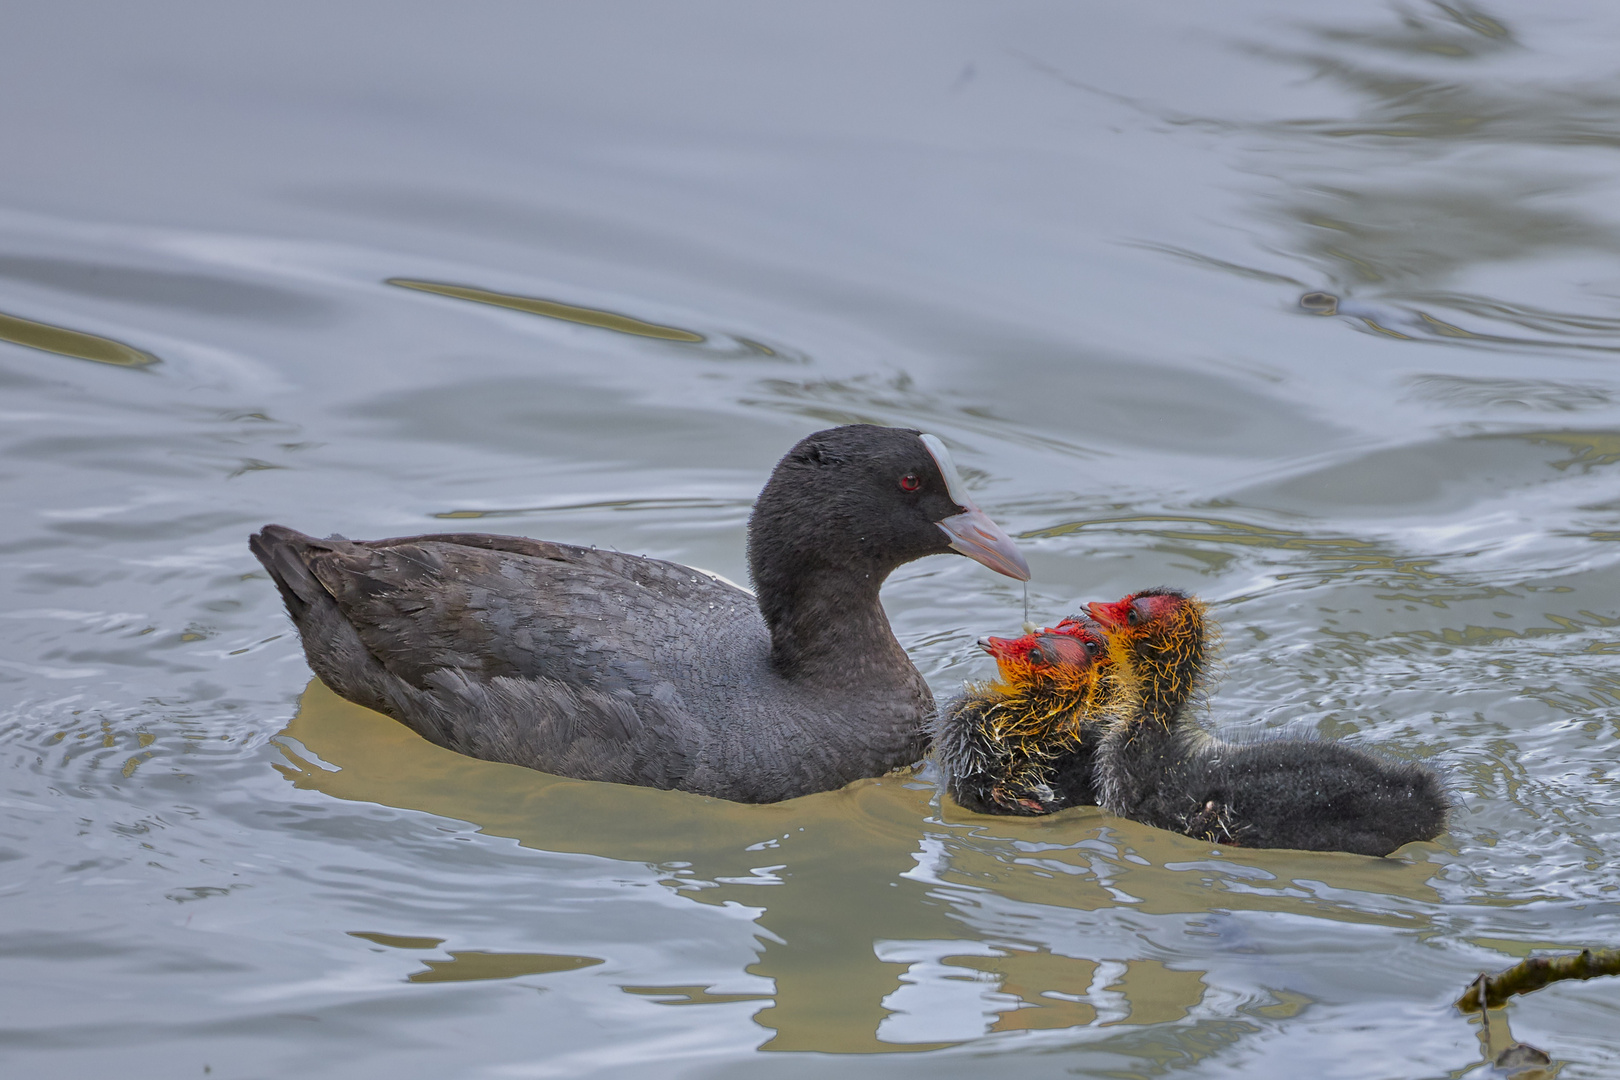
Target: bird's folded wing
point(508, 607)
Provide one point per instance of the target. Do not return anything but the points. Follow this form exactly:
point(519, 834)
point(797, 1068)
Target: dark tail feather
point(282, 551)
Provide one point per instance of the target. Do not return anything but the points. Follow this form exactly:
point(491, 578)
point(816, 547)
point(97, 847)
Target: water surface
point(583, 273)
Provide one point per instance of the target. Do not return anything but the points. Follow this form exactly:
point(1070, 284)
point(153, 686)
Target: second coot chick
point(1156, 766)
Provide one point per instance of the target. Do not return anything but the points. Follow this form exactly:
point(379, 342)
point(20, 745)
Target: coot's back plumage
point(604, 666)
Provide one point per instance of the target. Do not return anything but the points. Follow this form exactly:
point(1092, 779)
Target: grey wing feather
point(584, 617)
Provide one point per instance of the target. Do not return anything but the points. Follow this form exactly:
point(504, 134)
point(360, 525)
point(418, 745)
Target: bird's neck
point(1148, 745)
point(1166, 671)
point(1158, 710)
point(827, 623)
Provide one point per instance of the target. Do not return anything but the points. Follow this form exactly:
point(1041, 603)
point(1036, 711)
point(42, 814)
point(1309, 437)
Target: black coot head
point(873, 498)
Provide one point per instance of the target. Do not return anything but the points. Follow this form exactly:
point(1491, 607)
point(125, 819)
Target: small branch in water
point(1536, 972)
point(1517, 1058)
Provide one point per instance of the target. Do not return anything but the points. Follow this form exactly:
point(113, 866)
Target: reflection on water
point(1533, 395)
point(61, 340)
point(1072, 243)
point(551, 309)
point(866, 958)
point(474, 966)
point(1408, 82)
point(1388, 201)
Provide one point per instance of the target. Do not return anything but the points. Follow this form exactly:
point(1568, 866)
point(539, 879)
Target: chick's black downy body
point(1156, 766)
point(1307, 794)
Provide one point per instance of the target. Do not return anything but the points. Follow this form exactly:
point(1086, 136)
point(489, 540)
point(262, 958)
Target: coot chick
point(1158, 767)
point(603, 666)
point(1025, 743)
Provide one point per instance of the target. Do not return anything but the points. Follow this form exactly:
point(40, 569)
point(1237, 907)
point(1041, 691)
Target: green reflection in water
point(552, 309)
point(398, 941)
point(1153, 993)
point(1588, 448)
point(842, 879)
point(689, 995)
point(477, 966)
point(76, 343)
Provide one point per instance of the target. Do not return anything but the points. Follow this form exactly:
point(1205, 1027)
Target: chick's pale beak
point(973, 534)
point(995, 646)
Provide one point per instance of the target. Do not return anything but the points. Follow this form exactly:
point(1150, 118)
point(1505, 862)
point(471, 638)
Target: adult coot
point(604, 666)
point(1158, 767)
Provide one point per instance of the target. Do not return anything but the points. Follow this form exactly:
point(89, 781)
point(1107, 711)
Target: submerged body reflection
point(880, 926)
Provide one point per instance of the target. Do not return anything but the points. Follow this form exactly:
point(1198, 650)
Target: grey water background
point(1071, 239)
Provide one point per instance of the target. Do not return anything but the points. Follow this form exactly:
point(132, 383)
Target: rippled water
point(583, 272)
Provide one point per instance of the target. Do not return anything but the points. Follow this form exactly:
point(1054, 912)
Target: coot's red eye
point(910, 482)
